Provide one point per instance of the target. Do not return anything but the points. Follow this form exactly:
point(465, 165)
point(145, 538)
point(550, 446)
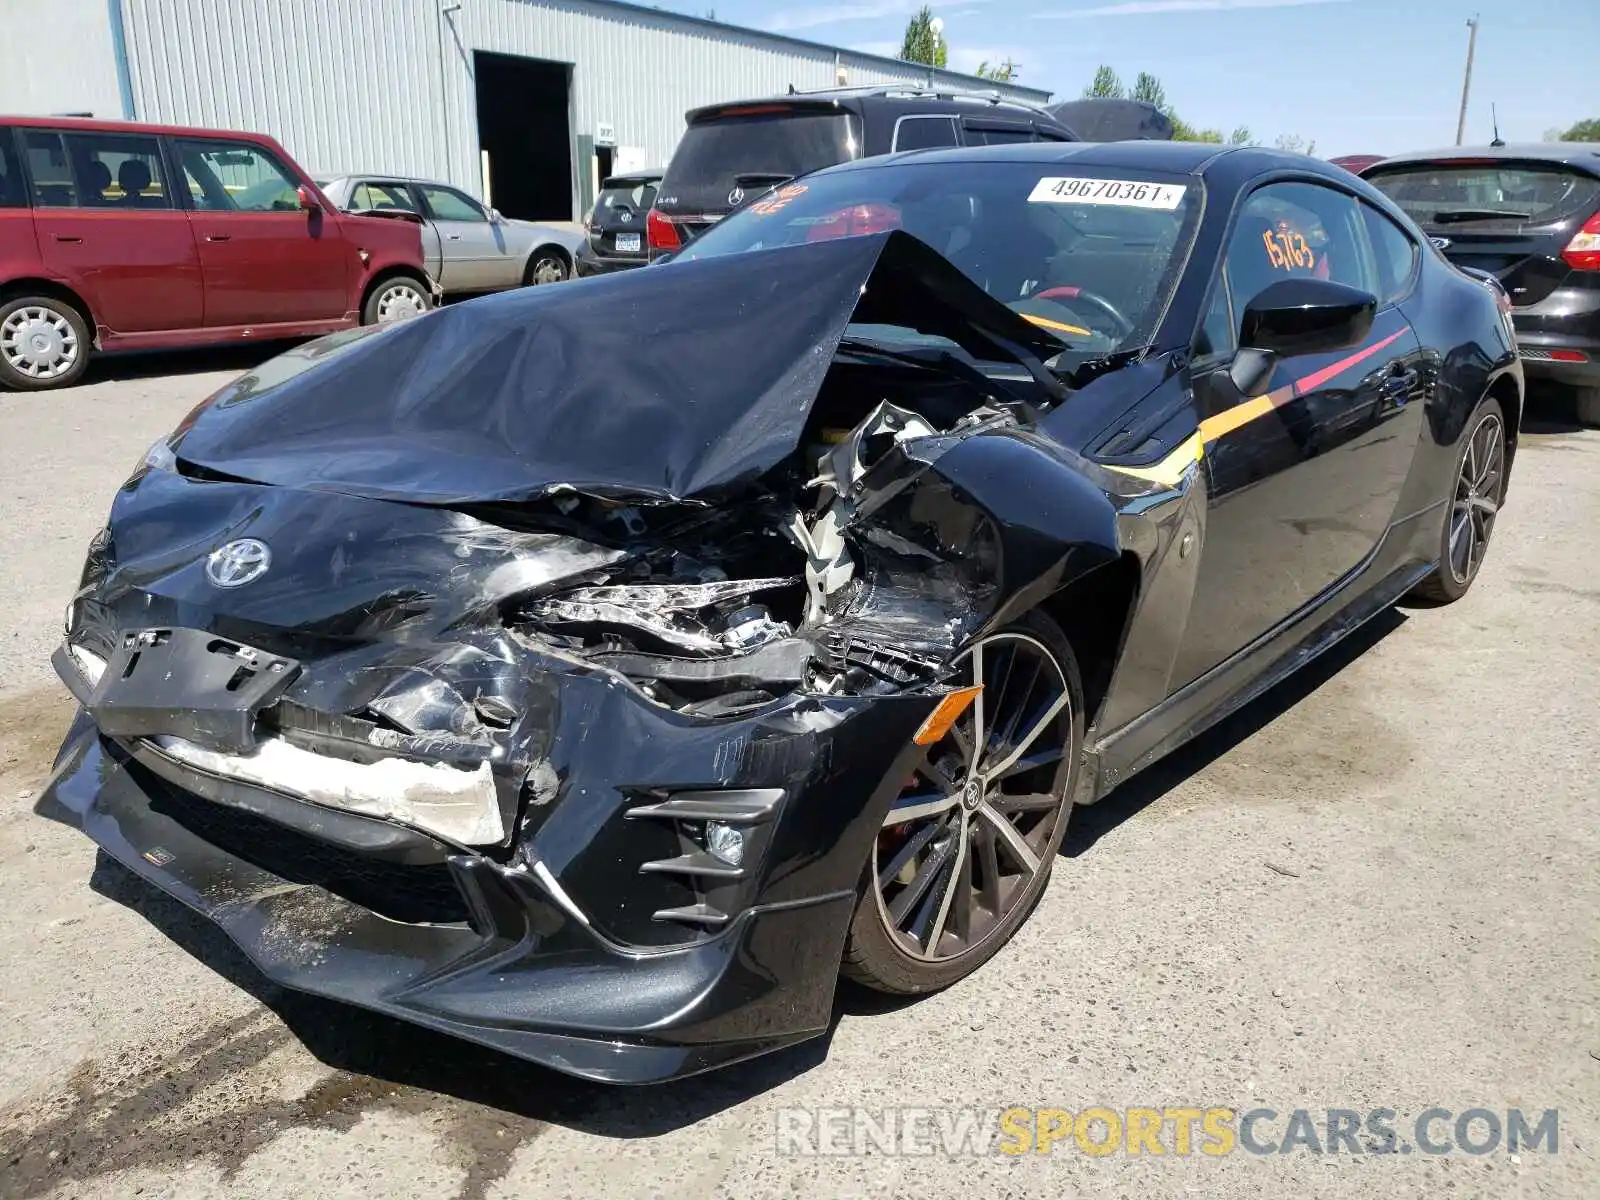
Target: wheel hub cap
point(38, 342)
point(972, 796)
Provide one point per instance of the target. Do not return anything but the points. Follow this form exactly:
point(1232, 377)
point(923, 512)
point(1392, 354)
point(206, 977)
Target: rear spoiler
point(1096, 119)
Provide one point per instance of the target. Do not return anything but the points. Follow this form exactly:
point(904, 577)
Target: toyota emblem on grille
point(736, 197)
point(238, 563)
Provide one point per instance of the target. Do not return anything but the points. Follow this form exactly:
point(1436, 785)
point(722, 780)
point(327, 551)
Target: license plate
point(627, 243)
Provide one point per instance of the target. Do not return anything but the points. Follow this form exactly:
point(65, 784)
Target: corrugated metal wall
point(57, 58)
point(386, 85)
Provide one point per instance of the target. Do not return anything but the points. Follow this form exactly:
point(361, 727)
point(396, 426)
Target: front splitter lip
point(557, 994)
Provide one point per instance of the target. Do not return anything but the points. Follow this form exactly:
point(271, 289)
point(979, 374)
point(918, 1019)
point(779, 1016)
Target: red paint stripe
point(1317, 378)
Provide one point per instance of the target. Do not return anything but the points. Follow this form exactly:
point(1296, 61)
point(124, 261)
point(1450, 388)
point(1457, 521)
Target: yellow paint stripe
point(1230, 419)
point(1046, 323)
point(1169, 472)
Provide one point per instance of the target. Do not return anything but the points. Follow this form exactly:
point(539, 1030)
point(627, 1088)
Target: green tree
point(1583, 131)
point(1106, 86)
point(1293, 143)
point(922, 44)
point(1003, 72)
point(1148, 88)
point(1241, 136)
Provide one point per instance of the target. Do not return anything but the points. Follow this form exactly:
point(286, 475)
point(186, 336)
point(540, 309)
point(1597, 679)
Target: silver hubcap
point(400, 301)
point(967, 835)
point(549, 270)
point(39, 342)
point(1477, 497)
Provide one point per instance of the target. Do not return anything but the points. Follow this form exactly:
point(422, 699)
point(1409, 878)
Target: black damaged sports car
point(600, 698)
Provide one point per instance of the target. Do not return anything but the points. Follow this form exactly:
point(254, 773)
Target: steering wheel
point(1072, 295)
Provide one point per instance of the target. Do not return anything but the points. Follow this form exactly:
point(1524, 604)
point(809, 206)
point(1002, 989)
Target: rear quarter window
point(1395, 252)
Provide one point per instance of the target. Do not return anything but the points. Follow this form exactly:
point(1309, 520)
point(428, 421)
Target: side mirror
point(308, 199)
point(1307, 316)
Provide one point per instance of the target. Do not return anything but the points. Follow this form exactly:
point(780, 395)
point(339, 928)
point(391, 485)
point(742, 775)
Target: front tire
point(44, 343)
point(1474, 501)
point(548, 265)
point(965, 850)
point(398, 298)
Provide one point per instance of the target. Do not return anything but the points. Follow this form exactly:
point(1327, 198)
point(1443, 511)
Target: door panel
point(264, 258)
point(1304, 481)
point(104, 221)
point(476, 252)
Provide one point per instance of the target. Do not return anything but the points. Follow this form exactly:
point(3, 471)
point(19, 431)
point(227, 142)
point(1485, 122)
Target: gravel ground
point(1374, 888)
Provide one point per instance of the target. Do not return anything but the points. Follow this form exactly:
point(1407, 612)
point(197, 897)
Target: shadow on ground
point(1090, 824)
point(150, 364)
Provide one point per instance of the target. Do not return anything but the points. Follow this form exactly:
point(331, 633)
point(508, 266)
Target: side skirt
point(1395, 566)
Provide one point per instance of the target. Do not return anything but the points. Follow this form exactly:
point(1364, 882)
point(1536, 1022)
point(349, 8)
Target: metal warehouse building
point(544, 95)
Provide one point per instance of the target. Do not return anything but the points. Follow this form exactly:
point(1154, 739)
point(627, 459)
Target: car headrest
point(98, 177)
point(133, 176)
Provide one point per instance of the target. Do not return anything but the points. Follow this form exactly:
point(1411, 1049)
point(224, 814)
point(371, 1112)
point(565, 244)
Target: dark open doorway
point(523, 124)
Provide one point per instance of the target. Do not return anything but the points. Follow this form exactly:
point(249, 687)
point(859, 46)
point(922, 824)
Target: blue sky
point(1358, 76)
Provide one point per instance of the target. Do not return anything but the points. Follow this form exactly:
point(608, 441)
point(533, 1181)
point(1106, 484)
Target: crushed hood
point(664, 383)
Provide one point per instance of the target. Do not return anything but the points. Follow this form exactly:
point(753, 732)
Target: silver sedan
point(467, 247)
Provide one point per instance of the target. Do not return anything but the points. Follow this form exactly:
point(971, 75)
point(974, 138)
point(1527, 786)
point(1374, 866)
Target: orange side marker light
point(944, 716)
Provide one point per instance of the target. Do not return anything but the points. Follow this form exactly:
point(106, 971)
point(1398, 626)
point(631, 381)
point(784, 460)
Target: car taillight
point(662, 233)
point(1583, 251)
point(859, 220)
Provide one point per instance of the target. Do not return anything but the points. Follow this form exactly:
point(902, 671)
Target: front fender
point(1054, 523)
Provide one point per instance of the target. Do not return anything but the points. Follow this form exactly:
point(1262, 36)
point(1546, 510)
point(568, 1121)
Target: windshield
point(750, 152)
point(1092, 259)
point(1467, 192)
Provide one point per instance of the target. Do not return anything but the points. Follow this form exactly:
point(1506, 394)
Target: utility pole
point(1466, 82)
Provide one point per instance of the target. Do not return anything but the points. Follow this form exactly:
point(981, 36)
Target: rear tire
point(1479, 485)
point(946, 886)
point(44, 343)
point(1588, 402)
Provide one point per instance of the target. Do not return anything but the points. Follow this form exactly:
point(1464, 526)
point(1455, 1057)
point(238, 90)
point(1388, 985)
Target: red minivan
point(122, 236)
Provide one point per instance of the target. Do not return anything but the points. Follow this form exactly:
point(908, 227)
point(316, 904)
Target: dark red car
point(122, 236)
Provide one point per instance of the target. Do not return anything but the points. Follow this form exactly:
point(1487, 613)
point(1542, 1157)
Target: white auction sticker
point(1125, 193)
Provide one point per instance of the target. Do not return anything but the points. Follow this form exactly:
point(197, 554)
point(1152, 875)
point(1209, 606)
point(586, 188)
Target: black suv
point(737, 152)
point(1530, 216)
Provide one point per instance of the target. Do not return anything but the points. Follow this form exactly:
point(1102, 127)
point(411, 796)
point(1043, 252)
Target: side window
point(1286, 231)
point(370, 195)
point(447, 204)
point(236, 177)
point(997, 135)
point(52, 174)
point(117, 171)
point(13, 191)
point(924, 133)
point(1396, 254)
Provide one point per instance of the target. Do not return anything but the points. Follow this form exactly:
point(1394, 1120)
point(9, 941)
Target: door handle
point(219, 237)
point(69, 238)
point(452, 237)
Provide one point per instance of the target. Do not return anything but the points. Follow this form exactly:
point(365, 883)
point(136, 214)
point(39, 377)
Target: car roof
point(910, 97)
point(1184, 158)
point(393, 176)
point(648, 175)
point(94, 125)
point(1585, 155)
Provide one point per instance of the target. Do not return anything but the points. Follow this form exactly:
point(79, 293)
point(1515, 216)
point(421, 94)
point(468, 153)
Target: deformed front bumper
point(527, 972)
